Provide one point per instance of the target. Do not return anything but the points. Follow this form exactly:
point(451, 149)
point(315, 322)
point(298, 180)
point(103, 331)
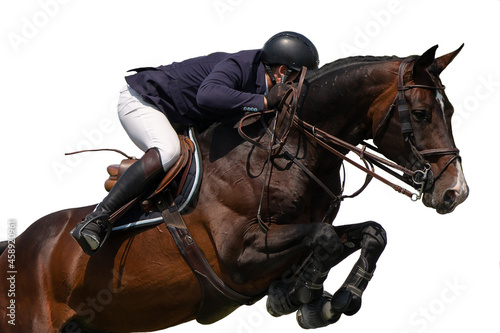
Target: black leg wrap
point(306, 282)
point(309, 284)
point(326, 248)
point(285, 298)
point(318, 313)
point(278, 299)
point(347, 299)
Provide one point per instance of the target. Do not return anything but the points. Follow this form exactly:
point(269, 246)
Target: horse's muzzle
point(446, 198)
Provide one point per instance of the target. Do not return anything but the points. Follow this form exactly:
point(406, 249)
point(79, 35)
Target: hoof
point(278, 300)
point(344, 301)
point(318, 313)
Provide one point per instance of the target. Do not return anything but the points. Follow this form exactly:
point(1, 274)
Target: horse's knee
point(325, 248)
point(325, 245)
point(374, 238)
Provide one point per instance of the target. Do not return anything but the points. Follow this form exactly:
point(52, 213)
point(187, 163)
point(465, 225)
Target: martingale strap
point(284, 116)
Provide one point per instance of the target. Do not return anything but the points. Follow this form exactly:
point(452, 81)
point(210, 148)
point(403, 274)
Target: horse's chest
point(288, 196)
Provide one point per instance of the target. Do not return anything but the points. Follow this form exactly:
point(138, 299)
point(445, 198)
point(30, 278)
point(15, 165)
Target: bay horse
point(139, 281)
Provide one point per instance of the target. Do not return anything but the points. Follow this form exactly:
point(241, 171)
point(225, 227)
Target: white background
point(63, 63)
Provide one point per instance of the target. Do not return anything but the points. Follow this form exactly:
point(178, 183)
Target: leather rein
point(420, 179)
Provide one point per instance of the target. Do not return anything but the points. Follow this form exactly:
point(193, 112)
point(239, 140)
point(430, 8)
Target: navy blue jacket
point(203, 90)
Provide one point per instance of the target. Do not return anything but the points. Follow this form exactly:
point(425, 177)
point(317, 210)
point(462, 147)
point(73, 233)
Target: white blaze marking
point(461, 185)
point(440, 99)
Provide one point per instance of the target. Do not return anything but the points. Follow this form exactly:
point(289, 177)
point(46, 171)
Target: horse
point(263, 219)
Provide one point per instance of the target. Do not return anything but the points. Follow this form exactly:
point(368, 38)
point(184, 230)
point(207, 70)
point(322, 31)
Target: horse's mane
point(343, 63)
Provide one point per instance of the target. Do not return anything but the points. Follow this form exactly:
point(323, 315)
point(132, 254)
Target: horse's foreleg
point(371, 238)
point(302, 284)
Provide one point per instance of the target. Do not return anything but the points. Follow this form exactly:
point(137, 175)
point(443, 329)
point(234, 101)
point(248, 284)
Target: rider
point(195, 92)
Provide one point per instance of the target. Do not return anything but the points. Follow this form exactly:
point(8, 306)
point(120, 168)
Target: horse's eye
point(419, 115)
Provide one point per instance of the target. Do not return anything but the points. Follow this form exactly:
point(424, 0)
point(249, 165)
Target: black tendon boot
point(347, 299)
point(327, 309)
point(284, 298)
point(139, 178)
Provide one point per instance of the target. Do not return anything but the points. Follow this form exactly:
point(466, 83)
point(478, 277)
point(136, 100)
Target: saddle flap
point(187, 150)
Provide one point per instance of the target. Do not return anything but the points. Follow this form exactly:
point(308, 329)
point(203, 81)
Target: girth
point(218, 300)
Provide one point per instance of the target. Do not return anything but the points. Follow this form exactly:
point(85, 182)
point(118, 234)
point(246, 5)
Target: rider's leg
point(151, 131)
point(138, 178)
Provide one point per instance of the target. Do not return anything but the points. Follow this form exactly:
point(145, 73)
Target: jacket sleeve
point(222, 88)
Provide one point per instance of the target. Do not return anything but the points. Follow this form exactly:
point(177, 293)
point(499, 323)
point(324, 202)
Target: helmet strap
point(270, 73)
point(285, 77)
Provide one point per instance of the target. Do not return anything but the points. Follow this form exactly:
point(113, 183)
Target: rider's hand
point(275, 95)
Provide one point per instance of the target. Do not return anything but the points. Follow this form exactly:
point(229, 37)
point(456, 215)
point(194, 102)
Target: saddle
point(183, 164)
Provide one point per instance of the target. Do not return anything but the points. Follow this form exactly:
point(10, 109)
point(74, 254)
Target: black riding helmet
point(290, 49)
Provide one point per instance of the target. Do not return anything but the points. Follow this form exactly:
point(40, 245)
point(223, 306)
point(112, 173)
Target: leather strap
point(216, 295)
point(404, 112)
point(312, 176)
point(321, 137)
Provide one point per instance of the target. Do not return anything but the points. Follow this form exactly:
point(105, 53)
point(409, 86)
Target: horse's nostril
point(450, 197)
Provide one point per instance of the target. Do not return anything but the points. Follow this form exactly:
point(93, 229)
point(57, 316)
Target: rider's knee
point(169, 153)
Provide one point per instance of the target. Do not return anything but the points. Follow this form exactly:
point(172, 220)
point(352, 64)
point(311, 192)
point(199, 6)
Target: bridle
point(425, 178)
point(421, 179)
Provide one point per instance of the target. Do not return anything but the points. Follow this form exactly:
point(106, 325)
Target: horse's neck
point(342, 101)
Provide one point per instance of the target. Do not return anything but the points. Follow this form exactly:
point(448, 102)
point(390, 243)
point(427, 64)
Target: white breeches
point(148, 127)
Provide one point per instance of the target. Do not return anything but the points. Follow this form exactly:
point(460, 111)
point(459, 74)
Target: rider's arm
point(227, 87)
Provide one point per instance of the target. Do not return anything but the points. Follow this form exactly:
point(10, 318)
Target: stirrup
point(76, 233)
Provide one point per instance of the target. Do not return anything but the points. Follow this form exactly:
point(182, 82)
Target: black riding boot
point(139, 178)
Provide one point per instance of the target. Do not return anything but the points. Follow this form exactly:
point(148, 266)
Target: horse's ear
point(442, 62)
point(425, 60)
